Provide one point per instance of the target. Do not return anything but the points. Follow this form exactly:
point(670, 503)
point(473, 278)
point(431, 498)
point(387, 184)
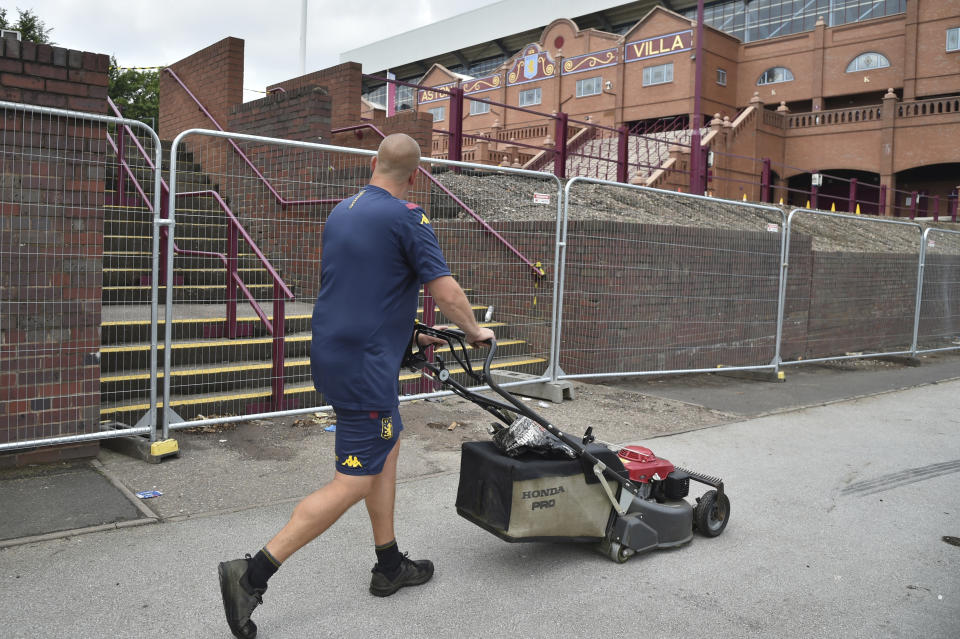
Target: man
point(377, 251)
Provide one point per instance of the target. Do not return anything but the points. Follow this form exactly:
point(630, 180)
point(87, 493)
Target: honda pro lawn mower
point(534, 482)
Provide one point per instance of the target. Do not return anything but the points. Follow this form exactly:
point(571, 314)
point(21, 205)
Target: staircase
point(597, 157)
point(211, 374)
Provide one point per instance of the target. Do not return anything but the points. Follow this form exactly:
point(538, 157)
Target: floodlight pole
point(303, 37)
point(697, 185)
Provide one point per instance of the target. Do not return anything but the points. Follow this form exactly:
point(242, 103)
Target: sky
point(140, 33)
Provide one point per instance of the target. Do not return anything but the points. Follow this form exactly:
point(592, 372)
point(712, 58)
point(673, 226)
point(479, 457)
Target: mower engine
point(658, 477)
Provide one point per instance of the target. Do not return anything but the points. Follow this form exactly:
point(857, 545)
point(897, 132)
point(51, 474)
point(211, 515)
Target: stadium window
point(953, 39)
point(476, 108)
point(589, 86)
point(660, 74)
point(530, 97)
point(721, 77)
point(867, 61)
point(773, 75)
point(437, 113)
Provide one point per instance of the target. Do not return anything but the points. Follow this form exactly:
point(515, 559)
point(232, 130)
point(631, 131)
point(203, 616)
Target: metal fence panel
point(76, 273)
point(851, 287)
point(662, 282)
point(262, 204)
point(938, 315)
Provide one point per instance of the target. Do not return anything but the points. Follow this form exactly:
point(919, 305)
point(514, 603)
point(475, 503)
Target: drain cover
point(953, 541)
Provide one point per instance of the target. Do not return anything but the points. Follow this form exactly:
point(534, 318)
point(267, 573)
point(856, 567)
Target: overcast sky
point(155, 33)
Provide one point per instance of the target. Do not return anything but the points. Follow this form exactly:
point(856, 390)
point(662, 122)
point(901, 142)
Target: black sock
point(388, 558)
point(260, 568)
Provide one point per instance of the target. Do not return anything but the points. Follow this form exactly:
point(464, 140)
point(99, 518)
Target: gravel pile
point(507, 198)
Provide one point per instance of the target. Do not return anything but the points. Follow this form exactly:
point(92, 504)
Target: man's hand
point(426, 341)
point(480, 337)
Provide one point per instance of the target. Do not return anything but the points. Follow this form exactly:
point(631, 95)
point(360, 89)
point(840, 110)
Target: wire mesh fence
point(655, 282)
point(938, 315)
point(75, 274)
point(250, 211)
point(851, 286)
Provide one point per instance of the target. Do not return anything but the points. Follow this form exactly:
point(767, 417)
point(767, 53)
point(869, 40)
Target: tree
point(135, 92)
point(30, 26)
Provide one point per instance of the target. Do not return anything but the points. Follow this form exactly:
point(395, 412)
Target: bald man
point(378, 249)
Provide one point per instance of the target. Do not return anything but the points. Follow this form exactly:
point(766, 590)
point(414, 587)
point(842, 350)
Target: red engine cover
point(642, 464)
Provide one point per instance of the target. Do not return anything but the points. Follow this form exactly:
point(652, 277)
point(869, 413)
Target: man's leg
point(243, 581)
point(381, 498)
point(393, 570)
point(318, 511)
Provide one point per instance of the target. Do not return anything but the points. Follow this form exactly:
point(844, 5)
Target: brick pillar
point(51, 248)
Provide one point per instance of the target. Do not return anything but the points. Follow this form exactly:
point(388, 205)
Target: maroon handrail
point(538, 271)
point(281, 292)
point(284, 203)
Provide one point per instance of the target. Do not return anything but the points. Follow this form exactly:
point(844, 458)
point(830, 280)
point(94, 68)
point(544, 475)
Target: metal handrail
point(538, 271)
point(284, 203)
point(281, 292)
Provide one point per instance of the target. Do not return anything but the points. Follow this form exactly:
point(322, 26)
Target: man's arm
point(454, 304)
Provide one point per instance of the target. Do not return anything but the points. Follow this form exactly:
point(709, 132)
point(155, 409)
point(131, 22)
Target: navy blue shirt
point(377, 252)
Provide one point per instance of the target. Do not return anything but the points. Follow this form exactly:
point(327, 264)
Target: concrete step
point(142, 260)
point(144, 243)
point(184, 292)
point(125, 277)
point(296, 395)
point(135, 358)
point(226, 376)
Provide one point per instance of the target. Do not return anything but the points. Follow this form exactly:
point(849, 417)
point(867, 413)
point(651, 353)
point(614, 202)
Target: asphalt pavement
point(841, 520)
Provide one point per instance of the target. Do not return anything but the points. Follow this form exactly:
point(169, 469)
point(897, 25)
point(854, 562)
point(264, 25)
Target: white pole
point(303, 37)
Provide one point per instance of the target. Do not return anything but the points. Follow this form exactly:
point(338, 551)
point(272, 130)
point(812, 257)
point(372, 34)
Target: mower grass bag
point(533, 498)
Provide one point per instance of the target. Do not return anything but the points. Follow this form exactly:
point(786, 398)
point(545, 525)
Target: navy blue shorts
point(364, 439)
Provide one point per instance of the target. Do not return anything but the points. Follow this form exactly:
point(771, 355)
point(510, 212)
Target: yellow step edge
point(200, 320)
point(180, 286)
point(235, 342)
point(180, 270)
point(176, 238)
point(289, 390)
point(182, 345)
point(300, 361)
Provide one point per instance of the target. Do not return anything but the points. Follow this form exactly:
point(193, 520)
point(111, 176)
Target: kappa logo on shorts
point(386, 428)
point(352, 462)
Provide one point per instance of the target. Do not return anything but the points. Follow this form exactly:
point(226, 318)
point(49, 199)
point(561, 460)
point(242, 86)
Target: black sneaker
point(239, 598)
point(412, 573)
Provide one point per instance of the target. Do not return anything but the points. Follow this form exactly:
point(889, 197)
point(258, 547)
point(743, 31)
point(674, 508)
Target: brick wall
point(49, 76)
point(214, 75)
point(419, 126)
point(691, 298)
point(343, 81)
point(51, 249)
point(301, 114)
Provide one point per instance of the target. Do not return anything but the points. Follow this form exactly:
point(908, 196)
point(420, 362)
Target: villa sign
point(658, 46)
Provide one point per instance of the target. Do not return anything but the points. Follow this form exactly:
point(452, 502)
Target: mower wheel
point(620, 553)
point(711, 514)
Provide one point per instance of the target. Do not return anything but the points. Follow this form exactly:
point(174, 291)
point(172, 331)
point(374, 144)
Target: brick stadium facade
point(889, 125)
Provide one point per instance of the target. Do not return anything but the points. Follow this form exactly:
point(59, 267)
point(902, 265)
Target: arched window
point(866, 61)
point(774, 75)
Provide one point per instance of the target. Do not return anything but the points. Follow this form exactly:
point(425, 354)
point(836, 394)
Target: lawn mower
point(534, 482)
